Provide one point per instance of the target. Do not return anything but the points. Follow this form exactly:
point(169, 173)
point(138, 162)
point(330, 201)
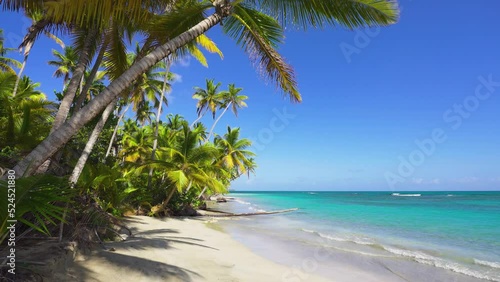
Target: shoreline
point(211, 249)
point(173, 249)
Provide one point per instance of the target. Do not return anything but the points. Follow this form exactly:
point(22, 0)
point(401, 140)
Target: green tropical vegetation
point(87, 152)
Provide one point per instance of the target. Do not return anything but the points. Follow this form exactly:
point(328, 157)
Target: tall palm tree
point(36, 17)
point(86, 42)
point(209, 99)
point(233, 99)
point(115, 131)
point(257, 27)
point(82, 160)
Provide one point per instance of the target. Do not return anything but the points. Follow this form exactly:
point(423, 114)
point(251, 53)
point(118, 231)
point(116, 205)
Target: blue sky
point(369, 97)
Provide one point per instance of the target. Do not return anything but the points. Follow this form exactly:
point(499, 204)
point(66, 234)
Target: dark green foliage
point(39, 202)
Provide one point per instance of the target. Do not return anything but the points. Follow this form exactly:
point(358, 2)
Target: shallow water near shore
point(435, 236)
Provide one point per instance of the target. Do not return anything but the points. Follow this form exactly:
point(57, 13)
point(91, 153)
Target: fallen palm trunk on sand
point(215, 213)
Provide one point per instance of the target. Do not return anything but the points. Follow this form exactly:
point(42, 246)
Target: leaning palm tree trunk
point(77, 171)
point(198, 119)
point(91, 142)
point(88, 83)
point(69, 96)
point(115, 131)
point(203, 191)
point(158, 115)
point(74, 83)
point(217, 120)
point(63, 134)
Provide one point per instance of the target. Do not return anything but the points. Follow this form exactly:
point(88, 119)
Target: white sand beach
point(173, 249)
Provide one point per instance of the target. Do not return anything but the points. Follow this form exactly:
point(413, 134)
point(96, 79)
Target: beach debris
point(221, 200)
point(216, 213)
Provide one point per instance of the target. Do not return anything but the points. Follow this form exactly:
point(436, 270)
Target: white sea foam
point(487, 263)
point(355, 240)
point(406, 195)
point(441, 263)
point(241, 201)
point(409, 254)
point(417, 256)
point(458, 268)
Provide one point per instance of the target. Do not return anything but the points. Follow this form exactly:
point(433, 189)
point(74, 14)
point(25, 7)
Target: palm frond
point(36, 196)
point(318, 13)
point(259, 34)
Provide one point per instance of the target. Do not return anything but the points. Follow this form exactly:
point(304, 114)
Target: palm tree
point(158, 114)
point(209, 99)
point(25, 118)
point(65, 63)
point(86, 42)
point(149, 87)
point(234, 157)
point(145, 88)
point(115, 131)
point(136, 145)
point(175, 122)
point(258, 33)
point(230, 98)
point(36, 28)
point(77, 170)
point(187, 164)
point(7, 64)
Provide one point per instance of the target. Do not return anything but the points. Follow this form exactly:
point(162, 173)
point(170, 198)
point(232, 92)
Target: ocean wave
point(416, 256)
point(405, 195)
point(409, 254)
point(312, 193)
point(487, 263)
point(358, 241)
point(458, 269)
point(337, 239)
point(423, 258)
point(242, 202)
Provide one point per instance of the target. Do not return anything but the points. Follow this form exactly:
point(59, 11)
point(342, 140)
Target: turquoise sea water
point(458, 231)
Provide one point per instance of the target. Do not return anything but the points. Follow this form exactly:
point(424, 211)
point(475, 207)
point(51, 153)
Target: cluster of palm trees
point(139, 161)
point(101, 79)
point(211, 99)
point(185, 161)
point(171, 29)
